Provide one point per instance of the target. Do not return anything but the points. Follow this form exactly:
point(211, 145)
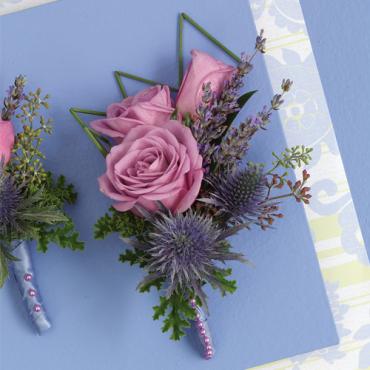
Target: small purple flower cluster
point(14, 97)
point(235, 145)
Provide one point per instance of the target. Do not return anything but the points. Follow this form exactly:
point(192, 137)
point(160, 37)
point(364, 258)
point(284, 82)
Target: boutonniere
point(32, 199)
point(180, 185)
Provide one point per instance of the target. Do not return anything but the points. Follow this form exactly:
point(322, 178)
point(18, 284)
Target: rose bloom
point(150, 106)
point(6, 140)
point(154, 163)
point(202, 69)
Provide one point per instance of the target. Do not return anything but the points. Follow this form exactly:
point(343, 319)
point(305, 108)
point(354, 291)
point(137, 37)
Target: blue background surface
point(70, 48)
point(339, 32)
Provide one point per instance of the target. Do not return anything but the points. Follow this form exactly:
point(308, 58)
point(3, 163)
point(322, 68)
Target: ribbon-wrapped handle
point(203, 330)
point(26, 280)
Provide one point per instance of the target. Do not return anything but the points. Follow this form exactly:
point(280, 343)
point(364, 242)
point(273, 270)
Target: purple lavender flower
point(213, 113)
point(183, 249)
point(236, 143)
point(261, 42)
point(14, 97)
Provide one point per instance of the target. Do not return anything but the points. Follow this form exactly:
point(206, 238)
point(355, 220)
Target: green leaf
point(177, 312)
point(4, 271)
point(65, 191)
point(243, 99)
point(9, 256)
point(157, 283)
point(225, 285)
point(124, 223)
point(65, 236)
point(161, 309)
point(45, 215)
point(133, 257)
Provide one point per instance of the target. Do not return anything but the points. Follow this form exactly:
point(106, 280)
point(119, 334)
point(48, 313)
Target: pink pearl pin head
point(27, 277)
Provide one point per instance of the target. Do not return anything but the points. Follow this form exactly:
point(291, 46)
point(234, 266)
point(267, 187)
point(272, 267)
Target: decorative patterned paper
point(10, 6)
point(331, 214)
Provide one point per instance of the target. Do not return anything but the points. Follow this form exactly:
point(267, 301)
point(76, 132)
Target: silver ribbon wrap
point(26, 280)
point(203, 330)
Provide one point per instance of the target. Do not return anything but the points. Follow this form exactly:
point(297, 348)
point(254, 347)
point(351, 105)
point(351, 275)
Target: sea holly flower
point(154, 164)
point(184, 249)
point(10, 199)
point(240, 194)
point(151, 106)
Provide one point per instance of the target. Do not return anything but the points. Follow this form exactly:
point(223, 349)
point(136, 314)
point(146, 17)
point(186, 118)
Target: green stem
point(119, 74)
point(180, 48)
point(281, 196)
point(93, 137)
point(270, 172)
point(89, 111)
point(210, 37)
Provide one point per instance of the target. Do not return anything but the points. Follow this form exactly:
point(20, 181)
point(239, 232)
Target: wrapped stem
point(26, 280)
point(202, 328)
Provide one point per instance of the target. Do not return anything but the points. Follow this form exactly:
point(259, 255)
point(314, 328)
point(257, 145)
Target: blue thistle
point(183, 250)
point(10, 200)
point(240, 195)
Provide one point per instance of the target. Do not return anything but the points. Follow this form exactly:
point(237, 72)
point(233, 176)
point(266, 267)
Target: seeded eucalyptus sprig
point(26, 165)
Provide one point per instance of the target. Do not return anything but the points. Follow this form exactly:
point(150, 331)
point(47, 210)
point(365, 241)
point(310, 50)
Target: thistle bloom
point(6, 140)
point(10, 199)
point(183, 249)
point(240, 194)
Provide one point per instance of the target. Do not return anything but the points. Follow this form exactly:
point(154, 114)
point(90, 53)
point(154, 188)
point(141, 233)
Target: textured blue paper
point(100, 322)
point(342, 50)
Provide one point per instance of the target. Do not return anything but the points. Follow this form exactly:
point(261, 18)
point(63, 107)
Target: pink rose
point(151, 164)
point(202, 69)
point(6, 140)
point(150, 106)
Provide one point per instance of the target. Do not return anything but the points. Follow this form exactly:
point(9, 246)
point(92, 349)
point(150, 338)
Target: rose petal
point(191, 194)
point(110, 191)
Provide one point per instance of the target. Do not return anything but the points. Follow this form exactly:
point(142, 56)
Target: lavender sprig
point(213, 112)
point(212, 115)
point(261, 42)
point(14, 98)
point(236, 144)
